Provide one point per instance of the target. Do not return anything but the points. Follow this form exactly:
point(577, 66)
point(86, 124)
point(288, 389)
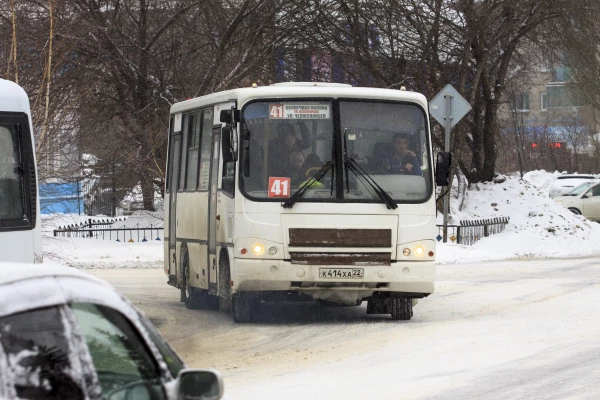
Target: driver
point(284, 145)
point(402, 160)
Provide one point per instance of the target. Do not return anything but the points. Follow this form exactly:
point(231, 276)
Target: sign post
point(448, 107)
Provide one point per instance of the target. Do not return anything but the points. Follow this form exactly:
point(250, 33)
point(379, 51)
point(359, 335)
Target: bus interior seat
point(381, 151)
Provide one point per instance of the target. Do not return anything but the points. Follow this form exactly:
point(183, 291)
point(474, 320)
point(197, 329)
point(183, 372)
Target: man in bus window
point(284, 145)
point(402, 160)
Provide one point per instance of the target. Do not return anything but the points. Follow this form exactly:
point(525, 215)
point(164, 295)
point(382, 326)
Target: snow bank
point(538, 227)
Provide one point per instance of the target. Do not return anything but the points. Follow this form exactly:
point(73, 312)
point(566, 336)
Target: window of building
point(544, 101)
point(562, 96)
point(520, 102)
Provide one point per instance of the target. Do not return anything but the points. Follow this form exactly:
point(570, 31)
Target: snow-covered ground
point(525, 329)
point(98, 253)
point(538, 228)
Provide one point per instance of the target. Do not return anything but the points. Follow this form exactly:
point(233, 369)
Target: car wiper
point(289, 203)
point(353, 166)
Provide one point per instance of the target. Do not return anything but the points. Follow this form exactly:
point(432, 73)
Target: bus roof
point(13, 97)
point(299, 89)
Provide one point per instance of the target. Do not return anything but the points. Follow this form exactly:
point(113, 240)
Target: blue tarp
point(61, 198)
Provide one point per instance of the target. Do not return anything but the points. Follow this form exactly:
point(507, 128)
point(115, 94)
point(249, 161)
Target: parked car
point(583, 200)
point(567, 182)
point(67, 335)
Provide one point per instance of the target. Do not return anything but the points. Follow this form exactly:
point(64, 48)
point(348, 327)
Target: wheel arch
point(575, 210)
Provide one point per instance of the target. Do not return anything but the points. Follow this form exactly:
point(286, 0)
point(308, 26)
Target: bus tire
point(242, 307)
point(402, 309)
point(193, 299)
point(224, 287)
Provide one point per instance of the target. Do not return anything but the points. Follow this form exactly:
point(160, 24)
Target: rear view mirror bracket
point(442, 168)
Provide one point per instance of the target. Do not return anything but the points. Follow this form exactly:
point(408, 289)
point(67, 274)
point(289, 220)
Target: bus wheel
point(402, 309)
point(242, 307)
point(224, 286)
point(194, 299)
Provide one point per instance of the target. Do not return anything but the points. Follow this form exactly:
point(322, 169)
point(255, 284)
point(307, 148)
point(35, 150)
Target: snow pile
point(538, 227)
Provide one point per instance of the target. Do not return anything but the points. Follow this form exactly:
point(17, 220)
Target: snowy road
point(501, 330)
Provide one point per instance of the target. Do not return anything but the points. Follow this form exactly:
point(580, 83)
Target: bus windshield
point(11, 185)
point(289, 141)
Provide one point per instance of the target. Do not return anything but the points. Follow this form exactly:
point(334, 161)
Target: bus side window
point(184, 152)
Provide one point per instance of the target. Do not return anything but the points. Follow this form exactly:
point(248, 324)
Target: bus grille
point(308, 237)
point(357, 259)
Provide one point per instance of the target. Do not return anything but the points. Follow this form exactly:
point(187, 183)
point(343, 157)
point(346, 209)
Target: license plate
point(343, 273)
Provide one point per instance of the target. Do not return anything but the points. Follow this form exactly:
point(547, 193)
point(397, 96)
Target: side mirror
point(199, 384)
point(226, 116)
point(229, 144)
point(586, 195)
point(442, 168)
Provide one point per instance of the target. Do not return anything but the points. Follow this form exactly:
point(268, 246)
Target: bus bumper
point(407, 277)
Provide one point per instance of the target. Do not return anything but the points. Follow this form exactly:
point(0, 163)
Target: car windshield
point(286, 142)
point(580, 189)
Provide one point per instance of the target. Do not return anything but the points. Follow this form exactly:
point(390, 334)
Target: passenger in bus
point(312, 164)
point(296, 168)
point(401, 160)
point(285, 144)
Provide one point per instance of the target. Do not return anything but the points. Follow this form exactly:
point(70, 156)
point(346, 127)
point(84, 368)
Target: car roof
point(577, 176)
point(29, 286)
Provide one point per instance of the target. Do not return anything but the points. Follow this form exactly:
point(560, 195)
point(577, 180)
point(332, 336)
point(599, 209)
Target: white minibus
point(302, 191)
point(20, 231)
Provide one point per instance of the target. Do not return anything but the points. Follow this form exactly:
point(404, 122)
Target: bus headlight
point(406, 252)
point(272, 250)
point(559, 202)
point(419, 250)
point(258, 249)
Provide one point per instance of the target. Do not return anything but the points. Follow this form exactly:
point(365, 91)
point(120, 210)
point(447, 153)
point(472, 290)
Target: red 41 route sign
point(279, 187)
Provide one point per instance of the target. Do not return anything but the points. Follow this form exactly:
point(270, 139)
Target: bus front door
point(173, 185)
point(212, 211)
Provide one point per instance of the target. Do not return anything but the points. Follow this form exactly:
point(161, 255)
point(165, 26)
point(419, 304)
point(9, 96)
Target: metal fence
point(469, 232)
point(104, 230)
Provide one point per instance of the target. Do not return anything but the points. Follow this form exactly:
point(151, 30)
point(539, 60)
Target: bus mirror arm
point(234, 143)
point(229, 146)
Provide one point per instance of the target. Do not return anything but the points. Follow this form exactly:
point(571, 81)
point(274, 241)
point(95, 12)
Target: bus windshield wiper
point(289, 203)
point(353, 166)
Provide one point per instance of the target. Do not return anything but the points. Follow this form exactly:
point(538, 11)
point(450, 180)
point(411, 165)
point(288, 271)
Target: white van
point(20, 232)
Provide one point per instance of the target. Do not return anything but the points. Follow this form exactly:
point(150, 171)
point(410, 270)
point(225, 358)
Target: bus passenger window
point(205, 148)
point(191, 181)
point(184, 147)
